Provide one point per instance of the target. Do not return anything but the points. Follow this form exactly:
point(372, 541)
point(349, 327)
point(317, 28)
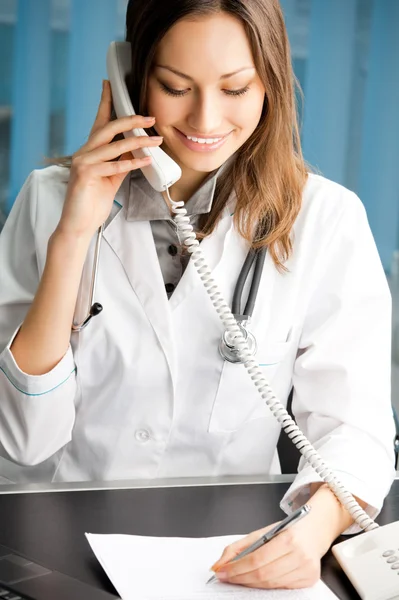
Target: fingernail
point(156, 138)
point(221, 575)
point(214, 566)
point(148, 119)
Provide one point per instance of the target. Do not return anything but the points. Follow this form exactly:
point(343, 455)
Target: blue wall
point(345, 55)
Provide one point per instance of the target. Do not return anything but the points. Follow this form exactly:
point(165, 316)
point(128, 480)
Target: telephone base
point(371, 562)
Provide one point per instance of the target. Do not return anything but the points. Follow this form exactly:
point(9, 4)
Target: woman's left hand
point(291, 560)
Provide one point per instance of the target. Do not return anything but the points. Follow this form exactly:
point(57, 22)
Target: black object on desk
point(49, 527)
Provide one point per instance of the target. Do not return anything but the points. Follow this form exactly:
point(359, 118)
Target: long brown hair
point(268, 172)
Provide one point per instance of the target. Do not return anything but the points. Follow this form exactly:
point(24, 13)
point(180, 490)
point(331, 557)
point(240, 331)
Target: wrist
point(335, 516)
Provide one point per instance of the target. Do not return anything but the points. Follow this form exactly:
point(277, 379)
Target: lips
point(202, 144)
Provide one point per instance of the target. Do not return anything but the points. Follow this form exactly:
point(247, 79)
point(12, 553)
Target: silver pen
point(284, 524)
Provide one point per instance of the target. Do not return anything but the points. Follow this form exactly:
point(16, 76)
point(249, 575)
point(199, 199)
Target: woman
point(143, 392)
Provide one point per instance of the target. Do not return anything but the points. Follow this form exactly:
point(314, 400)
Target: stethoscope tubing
point(94, 308)
point(227, 345)
point(259, 257)
point(226, 350)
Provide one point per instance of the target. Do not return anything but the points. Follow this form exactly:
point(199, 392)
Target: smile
point(201, 144)
point(203, 140)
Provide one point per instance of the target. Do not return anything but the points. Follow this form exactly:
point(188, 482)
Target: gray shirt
point(148, 205)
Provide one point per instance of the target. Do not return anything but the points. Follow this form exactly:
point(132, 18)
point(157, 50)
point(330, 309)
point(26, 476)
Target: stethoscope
point(94, 308)
point(227, 347)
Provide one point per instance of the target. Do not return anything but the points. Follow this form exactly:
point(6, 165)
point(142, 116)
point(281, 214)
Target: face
point(204, 91)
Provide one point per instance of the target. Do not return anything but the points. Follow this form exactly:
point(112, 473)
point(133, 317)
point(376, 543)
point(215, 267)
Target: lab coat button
point(169, 287)
point(142, 435)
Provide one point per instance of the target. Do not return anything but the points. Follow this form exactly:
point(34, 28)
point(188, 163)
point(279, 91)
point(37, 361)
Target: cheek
point(247, 114)
point(165, 109)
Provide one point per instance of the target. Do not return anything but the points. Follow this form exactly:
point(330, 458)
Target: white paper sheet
point(153, 568)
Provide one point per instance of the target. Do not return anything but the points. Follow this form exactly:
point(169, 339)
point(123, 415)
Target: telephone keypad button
point(388, 553)
point(395, 566)
point(392, 559)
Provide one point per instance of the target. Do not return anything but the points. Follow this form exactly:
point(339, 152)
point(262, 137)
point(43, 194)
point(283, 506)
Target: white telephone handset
point(163, 171)
point(370, 560)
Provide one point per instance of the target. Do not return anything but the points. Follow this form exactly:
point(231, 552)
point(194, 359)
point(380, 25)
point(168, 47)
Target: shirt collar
point(146, 204)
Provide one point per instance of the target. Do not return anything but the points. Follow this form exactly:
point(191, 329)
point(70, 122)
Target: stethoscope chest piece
point(227, 345)
point(229, 351)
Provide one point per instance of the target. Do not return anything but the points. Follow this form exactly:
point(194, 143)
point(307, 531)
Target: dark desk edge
point(26, 488)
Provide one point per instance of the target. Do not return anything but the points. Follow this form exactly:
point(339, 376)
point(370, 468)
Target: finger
point(126, 156)
point(104, 110)
point(134, 164)
point(279, 547)
point(108, 169)
point(105, 134)
point(259, 571)
point(116, 149)
point(232, 550)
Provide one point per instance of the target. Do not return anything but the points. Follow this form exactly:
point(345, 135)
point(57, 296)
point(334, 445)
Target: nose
point(206, 114)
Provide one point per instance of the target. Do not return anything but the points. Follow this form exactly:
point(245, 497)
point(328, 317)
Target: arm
point(38, 392)
point(43, 338)
point(29, 402)
point(341, 377)
point(323, 503)
point(97, 171)
point(342, 404)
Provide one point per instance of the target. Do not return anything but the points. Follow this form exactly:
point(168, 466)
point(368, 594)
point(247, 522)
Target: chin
point(201, 163)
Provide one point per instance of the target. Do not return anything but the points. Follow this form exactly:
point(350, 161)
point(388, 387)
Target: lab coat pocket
point(237, 399)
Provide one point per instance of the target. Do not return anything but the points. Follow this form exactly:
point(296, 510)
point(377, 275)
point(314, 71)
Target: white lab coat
point(143, 393)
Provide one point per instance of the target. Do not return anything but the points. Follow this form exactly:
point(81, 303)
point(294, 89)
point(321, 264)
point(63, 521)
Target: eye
point(171, 91)
point(237, 92)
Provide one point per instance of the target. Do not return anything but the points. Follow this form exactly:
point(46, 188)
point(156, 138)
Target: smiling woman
point(208, 101)
point(220, 70)
point(144, 392)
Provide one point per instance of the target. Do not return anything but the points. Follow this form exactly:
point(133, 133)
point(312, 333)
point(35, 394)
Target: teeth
point(203, 141)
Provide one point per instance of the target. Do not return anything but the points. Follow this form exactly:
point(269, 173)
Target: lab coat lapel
point(212, 248)
point(133, 244)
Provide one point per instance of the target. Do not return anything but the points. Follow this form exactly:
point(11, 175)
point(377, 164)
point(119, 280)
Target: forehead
point(207, 46)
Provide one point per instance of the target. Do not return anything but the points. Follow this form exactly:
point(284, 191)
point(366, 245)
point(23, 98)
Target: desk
point(47, 523)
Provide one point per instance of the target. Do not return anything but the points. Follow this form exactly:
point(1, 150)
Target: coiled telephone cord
point(287, 423)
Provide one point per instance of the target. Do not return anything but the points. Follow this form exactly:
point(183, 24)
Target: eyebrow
point(184, 76)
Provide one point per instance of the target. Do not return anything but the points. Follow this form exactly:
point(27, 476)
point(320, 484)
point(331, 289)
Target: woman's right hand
point(99, 168)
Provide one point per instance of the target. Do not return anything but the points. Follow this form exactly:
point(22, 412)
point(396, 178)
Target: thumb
point(104, 110)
